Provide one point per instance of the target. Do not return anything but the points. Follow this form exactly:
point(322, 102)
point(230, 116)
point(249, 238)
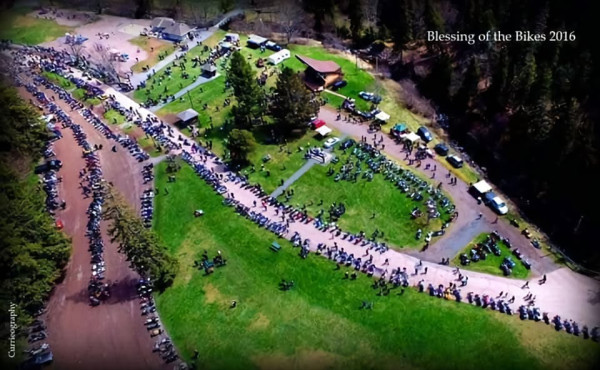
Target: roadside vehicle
point(338, 85)
point(369, 96)
point(331, 142)
point(455, 161)
point(272, 46)
point(424, 133)
point(347, 144)
point(54, 164)
point(441, 149)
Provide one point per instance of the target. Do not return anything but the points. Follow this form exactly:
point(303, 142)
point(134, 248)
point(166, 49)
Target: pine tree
point(240, 144)
point(356, 17)
point(249, 95)
point(468, 89)
point(292, 104)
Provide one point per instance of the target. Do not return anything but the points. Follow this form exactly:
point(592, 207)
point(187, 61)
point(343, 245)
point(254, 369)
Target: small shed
point(255, 41)
point(187, 117)
point(177, 31)
point(209, 70)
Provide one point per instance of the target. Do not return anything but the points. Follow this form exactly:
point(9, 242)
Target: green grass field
point(17, 26)
point(79, 94)
point(114, 117)
point(392, 208)
point(318, 324)
point(491, 265)
point(58, 80)
point(154, 47)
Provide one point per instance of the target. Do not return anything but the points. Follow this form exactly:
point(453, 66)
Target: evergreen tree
point(436, 85)
point(468, 89)
point(292, 104)
point(356, 17)
point(249, 95)
point(139, 244)
point(240, 144)
point(433, 18)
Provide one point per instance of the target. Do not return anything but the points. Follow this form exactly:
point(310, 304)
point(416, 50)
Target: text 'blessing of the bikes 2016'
point(499, 36)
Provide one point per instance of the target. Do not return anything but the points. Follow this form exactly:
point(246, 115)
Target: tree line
point(33, 252)
point(524, 110)
point(141, 246)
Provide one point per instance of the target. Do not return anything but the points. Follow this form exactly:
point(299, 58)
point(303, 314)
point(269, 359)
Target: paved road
point(199, 81)
point(566, 293)
point(462, 229)
point(111, 335)
point(138, 78)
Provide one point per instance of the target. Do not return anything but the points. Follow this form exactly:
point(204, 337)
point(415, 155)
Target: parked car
point(54, 164)
point(347, 144)
point(272, 46)
point(331, 142)
point(455, 161)
point(365, 115)
point(441, 149)
point(369, 96)
point(338, 85)
point(424, 133)
point(498, 205)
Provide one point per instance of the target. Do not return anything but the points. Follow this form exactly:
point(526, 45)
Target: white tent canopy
point(412, 137)
point(482, 187)
point(382, 116)
point(323, 130)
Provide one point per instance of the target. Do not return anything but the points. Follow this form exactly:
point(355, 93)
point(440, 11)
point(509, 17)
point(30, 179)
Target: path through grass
point(318, 323)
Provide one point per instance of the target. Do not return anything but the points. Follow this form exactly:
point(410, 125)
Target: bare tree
point(107, 62)
point(291, 18)
point(76, 49)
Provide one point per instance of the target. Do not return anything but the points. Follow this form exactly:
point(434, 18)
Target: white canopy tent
point(382, 116)
point(482, 187)
point(324, 131)
point(412, 137)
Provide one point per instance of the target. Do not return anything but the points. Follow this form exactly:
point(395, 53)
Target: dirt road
point(112, 335)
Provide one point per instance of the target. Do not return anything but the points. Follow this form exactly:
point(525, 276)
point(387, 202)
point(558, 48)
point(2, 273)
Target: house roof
point(179, 29)
point(255, 39)
point(187, 115)
point(209, 67)
point(161, 22)
point(321, 66)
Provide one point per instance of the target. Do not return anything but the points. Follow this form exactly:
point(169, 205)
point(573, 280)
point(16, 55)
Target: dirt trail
point(112, 335)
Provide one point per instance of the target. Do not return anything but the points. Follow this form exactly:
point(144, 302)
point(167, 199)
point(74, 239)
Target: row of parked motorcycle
point(163, 346)
point(37, 353)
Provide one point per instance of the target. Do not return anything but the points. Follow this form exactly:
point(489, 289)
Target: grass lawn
point(58, 80)
point(317, 324)
point(392, 208)
point(154, 48)
point(281, 165)
point(491, 265)
point(147, 144)
point(79, 94)
point(17, 26)
point(114, 117)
